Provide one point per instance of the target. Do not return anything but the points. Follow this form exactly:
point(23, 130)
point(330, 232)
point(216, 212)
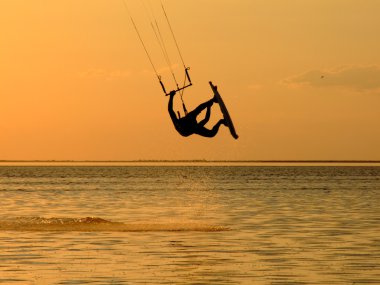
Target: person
point(189, 125)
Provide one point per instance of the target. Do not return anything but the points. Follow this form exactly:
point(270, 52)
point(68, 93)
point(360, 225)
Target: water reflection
point(287, 225)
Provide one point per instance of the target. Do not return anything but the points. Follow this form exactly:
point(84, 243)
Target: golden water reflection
point(189, 225)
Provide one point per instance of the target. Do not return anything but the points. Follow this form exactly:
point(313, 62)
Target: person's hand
point(172, 93)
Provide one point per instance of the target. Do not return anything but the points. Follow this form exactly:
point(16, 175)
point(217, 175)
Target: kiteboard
point(224, 111)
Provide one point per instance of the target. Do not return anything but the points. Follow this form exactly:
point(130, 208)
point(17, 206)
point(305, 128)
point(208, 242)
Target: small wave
point(94, 224)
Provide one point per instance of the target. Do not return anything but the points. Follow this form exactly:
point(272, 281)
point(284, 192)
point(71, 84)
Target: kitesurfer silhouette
point(189, 125)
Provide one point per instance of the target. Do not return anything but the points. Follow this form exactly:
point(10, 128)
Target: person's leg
point(202, 131)
point(201, 107)
point(207, 117)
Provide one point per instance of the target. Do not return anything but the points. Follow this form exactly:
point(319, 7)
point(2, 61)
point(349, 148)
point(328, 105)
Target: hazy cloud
point(255, 87)
point(119, 74)
point(98, 73)
point(358, 78)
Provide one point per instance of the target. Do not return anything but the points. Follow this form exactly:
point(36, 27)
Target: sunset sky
point(301, 79)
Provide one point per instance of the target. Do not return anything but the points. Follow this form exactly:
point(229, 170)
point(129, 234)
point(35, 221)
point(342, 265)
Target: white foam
point(94, 224)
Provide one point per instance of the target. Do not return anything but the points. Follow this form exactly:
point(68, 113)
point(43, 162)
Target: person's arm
point(170, 107)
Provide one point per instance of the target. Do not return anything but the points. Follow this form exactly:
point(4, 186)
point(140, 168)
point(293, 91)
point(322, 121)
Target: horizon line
point(199, 161)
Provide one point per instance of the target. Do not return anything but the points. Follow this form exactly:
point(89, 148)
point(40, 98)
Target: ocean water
point(190, 224)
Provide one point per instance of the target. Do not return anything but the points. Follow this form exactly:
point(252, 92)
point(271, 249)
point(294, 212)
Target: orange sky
point(300, 78)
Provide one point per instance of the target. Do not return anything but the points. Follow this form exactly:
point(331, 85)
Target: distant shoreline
point(190, 161)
